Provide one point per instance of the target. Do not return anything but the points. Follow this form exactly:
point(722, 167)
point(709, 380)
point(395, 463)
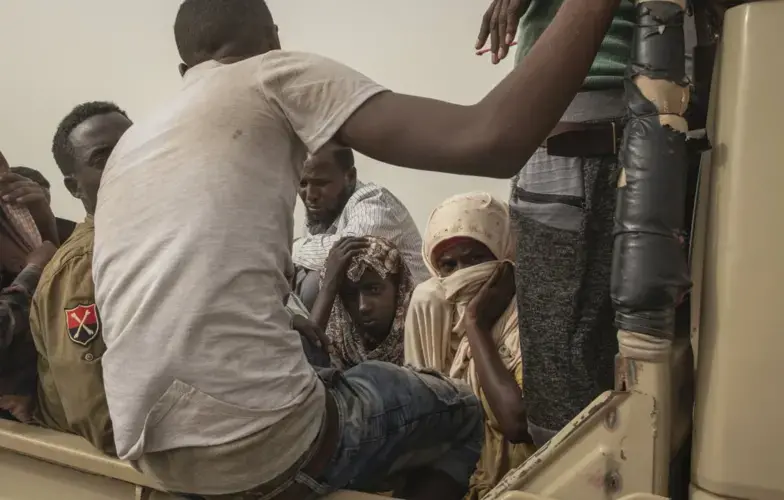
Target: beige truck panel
point(41, 464)
point(738, 431)
point(37, 463)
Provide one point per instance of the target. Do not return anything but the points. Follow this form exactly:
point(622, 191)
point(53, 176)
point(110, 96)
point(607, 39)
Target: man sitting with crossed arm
point(338, 205)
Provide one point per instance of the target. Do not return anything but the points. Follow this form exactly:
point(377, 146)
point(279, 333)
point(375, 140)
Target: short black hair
point(344, 157)
point(61, 144)
point(203, 27)
point(32, 174)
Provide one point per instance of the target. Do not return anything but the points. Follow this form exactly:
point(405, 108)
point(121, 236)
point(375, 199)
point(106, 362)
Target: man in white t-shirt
point(208, 387)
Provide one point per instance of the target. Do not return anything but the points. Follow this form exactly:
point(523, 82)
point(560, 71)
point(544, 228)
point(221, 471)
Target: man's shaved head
point(215, 29)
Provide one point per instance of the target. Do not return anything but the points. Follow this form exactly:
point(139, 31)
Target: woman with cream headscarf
point(462, 322)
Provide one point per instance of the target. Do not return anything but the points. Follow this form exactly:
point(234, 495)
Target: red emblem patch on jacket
point(83, 324)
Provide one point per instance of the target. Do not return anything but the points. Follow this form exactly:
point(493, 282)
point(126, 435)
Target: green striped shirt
point(610, 64)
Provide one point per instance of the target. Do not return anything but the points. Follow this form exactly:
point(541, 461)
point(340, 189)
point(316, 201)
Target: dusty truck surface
point(705, 390)
point(41, 464)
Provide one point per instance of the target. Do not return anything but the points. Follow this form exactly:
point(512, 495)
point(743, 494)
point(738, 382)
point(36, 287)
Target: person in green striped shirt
point(562, 209)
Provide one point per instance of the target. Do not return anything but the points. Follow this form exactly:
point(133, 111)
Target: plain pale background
point(57, 54)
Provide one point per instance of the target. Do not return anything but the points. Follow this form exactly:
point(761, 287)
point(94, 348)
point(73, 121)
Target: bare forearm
point(322, 307)
point(524, 108)
point(495, 137)
point(47, 227)
point(503, 394)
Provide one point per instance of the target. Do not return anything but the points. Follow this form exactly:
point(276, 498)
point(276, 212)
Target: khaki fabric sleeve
point(315, 94)
point(49, 412)
point(67, 330)
point(518, 374)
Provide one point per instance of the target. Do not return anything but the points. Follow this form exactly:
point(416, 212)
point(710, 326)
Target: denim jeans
point(394, 419)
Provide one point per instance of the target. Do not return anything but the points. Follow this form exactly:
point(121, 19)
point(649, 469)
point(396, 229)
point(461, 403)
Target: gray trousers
point(562, 209)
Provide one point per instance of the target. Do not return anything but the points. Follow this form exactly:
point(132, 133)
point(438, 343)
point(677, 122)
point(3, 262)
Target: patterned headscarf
point(347, 347)
point(477, 216)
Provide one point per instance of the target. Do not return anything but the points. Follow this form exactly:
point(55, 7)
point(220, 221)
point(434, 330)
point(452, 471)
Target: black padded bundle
point(650, 273)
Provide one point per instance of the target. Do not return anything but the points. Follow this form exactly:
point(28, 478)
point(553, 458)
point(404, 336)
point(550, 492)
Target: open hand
point(493, 298)
point(340, 257)
point(15, 188)
point(19, 190)
point(500, 25)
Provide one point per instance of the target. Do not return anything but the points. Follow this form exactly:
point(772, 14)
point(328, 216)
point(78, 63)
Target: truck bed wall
point(739, 436)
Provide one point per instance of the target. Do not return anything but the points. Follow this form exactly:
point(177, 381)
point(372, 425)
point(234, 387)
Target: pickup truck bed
point(41, 464)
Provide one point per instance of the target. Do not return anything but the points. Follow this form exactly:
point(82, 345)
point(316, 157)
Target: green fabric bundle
point(610, 64)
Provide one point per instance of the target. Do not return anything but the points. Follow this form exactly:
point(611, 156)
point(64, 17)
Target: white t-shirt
point(193, 234)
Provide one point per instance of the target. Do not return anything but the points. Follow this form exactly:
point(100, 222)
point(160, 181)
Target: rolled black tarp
point(650, 273)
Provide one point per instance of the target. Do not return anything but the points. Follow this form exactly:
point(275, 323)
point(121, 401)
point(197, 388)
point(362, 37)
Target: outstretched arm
point(496, 136)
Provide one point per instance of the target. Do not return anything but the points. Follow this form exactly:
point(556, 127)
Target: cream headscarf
point(434, 324)
point(475, 215)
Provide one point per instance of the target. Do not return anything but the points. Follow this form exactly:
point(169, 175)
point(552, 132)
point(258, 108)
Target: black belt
point(577, 139)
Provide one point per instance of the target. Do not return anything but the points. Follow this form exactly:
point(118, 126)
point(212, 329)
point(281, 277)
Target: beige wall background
point(56, 54)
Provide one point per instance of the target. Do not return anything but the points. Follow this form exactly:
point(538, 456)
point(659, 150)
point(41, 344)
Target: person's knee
point(423, 391)
point(469, 420)
point(376, 371)
point(447, 390)
point(422, 419)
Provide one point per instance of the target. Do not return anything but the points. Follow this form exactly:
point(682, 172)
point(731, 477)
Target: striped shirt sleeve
point(369, 212)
